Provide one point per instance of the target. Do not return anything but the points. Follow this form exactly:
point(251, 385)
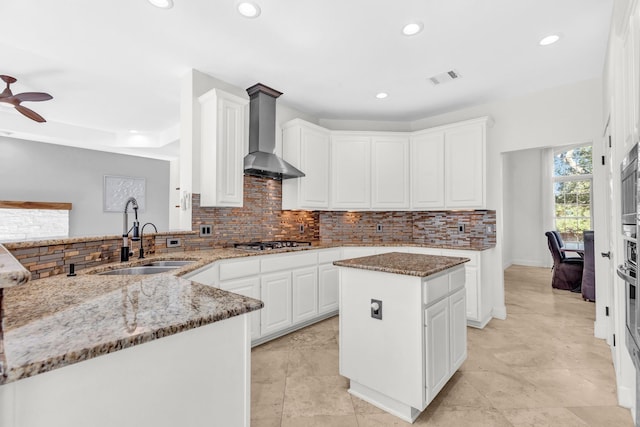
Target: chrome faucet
point(135, 236)
point(142, 240)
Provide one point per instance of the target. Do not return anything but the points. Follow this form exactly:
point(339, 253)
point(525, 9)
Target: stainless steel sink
point(146, 269)
point(170, 263)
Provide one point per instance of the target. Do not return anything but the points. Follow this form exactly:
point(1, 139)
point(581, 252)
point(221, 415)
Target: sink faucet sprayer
point(124, 251)
point(142, 240)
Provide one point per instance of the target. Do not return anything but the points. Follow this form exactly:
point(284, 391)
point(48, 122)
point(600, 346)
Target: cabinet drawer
point(435, 288)
point(288, 261)
point(457, 279)
point(329, 255)
point(234, 269)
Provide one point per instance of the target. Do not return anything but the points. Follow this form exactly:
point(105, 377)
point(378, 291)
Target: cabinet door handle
point(606, 254)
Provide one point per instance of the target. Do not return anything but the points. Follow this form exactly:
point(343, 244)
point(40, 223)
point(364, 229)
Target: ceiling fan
point(15, 100)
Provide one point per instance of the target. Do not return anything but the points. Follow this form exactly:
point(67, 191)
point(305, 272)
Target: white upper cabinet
point(464, 160)
point(390, 172)
point(222, 136)
point(350, 172)
point(306, 147)
point(427, 170)
point(434, 169)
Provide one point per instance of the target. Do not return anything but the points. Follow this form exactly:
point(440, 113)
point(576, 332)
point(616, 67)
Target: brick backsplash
point(437, 228)
point(44, 259)
point(261, 219)
point(440, 228)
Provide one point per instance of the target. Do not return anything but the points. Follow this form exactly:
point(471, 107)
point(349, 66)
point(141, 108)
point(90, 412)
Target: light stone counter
point(12, 273)
point(59, 321)
point(403, 263)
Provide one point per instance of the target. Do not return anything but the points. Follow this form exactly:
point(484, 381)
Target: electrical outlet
point(205, 230)
point(379, 228)
point(461, 228)
point(301, 228)
point(173, 243)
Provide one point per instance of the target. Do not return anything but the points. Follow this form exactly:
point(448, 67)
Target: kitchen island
point(124, 350)
point(402, 328)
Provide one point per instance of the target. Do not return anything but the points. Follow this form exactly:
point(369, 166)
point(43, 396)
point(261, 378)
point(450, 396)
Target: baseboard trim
point(479, 324)
point(600, 330)
point(625, 397)
point(500, 312)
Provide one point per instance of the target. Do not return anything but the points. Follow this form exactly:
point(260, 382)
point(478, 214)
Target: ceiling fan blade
point(33, 96)
point(30, 113)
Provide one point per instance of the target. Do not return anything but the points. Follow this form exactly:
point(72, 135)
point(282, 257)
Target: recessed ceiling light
point(382, 95)
point(551, 39)
point(249, 9)
point(412, 29)
point(162, 4)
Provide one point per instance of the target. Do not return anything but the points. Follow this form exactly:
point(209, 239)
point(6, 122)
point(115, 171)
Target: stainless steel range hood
point(261, 160)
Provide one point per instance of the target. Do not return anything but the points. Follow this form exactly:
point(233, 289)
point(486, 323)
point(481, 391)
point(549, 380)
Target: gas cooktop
point(266, 246)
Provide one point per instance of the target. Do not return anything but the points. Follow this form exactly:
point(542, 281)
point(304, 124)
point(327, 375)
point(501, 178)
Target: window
point(20, 220)
point(572, 182)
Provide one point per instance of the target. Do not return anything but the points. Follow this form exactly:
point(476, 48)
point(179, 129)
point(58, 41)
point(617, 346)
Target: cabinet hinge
point(606, 311)
point(602, 160)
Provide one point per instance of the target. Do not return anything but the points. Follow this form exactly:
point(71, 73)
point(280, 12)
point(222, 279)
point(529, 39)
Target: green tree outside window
point(572, 189)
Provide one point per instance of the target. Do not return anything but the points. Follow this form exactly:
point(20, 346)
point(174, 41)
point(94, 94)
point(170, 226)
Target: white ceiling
point(116, 66)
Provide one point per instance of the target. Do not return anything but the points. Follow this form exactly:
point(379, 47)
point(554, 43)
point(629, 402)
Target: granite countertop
point(57, 321)
point(403, 263)
point(12, 273)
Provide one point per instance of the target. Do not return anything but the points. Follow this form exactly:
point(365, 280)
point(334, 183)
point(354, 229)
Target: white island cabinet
point(402, 328)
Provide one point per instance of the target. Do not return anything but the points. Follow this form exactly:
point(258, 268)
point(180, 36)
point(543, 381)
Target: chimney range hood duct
point(261, 160)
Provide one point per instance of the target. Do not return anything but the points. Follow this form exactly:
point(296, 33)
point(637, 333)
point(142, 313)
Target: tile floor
point(540, 367)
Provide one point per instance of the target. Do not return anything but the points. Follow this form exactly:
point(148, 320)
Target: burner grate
point(270, 245)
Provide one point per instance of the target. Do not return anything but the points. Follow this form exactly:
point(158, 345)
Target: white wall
point(524, 241)
point(36, 171)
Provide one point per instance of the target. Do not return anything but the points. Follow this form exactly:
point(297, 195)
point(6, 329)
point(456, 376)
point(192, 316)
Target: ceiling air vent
point(444, 77)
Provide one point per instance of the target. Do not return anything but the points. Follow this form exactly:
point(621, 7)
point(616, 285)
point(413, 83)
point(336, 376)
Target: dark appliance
point(628, 270)
point(270, 245)
point(261, 160)
point(629, 192)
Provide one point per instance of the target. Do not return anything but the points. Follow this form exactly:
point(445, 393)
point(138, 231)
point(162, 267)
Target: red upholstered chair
point(567, 272)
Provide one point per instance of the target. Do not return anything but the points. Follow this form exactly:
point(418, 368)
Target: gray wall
point(35, 171)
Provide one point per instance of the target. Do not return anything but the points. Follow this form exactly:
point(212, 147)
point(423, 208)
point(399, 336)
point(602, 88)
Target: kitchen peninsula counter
point(58, 321)
point(165, 342)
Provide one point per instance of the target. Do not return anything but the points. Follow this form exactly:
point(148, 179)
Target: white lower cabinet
point(400, 360)
point(328, 283)
point(249, 287)
point(276, 295)
point(445, 331)
point(305, 294)
point(458, 315)
point(477, 292)
point(437, 345)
